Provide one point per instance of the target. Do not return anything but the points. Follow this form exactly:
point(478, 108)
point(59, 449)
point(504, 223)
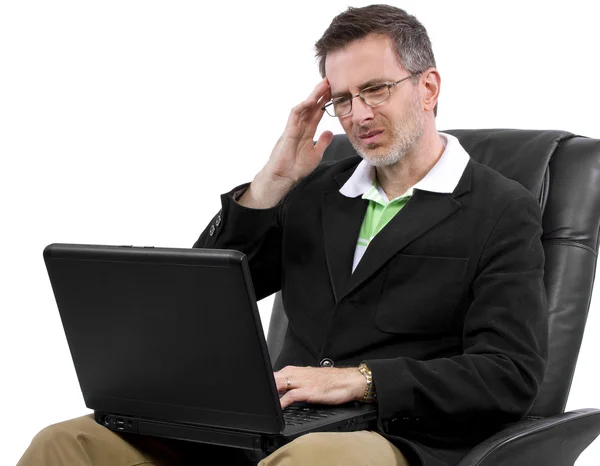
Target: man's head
point(380, 44)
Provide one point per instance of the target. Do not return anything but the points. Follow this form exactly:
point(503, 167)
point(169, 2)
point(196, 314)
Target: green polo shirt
point(379, 212)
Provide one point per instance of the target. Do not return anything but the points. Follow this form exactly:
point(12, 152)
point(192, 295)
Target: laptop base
point(224, 437)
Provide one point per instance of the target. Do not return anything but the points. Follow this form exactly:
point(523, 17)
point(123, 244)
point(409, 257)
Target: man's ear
point(430, 83)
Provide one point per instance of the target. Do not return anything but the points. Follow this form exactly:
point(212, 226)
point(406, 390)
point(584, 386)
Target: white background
point(121, 122)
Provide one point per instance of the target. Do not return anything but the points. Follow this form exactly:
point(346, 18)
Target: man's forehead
point(360, 63)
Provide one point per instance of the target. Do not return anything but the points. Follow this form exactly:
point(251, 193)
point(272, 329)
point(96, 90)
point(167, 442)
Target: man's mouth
point(371, 136)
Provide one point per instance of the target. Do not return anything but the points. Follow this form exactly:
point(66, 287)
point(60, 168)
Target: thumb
point(323, 142)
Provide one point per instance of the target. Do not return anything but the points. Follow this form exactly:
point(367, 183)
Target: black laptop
point(168, 342)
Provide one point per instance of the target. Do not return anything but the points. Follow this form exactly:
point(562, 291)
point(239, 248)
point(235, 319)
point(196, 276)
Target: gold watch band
point(370, 395)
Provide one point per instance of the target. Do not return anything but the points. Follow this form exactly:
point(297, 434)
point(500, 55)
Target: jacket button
point(326, 363)
point(212, 230)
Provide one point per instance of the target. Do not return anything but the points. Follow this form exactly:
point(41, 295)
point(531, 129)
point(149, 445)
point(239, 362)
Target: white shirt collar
point(442, 178)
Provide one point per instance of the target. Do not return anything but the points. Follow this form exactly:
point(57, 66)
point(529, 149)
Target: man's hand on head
point(295, 155)
point(320, 385)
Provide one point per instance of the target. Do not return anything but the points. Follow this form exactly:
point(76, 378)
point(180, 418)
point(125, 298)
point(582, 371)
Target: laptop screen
point(170, 334)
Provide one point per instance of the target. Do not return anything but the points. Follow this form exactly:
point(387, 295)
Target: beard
point(404, 134)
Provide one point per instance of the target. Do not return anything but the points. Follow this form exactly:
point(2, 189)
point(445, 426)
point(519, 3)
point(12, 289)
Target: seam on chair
point(571, 243)
point(544, 189)
point(556, 142)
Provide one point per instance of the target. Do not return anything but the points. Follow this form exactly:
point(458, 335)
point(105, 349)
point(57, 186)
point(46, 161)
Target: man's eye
point(375, 90)
point(341, 102)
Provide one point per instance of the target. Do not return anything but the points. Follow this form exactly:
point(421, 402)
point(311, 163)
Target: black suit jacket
point(447, 306)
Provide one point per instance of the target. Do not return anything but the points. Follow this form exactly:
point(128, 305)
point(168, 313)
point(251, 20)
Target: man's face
point(385, 133)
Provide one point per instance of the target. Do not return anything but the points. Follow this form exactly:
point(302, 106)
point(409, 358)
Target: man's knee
point(80, 441)
point(47, 446)
point(58, 435)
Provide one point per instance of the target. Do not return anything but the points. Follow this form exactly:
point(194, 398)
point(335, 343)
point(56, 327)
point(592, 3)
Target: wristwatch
point(370, 395)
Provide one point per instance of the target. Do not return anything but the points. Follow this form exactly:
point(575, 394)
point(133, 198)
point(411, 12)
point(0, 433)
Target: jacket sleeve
point(496, 378)
point(255, 232)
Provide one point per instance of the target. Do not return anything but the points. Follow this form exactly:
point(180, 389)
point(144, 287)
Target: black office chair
point(563, 171)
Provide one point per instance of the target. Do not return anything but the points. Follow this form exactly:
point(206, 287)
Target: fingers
point(311, 119)
point(284, 379)
point(314, 395)
point(320, 89)
point(313, 100)
point(292, 382)
point(283, 384)
point(304, 118)
point(323, 142)
point(317, 114)
point(320, 385)
point(291, 397)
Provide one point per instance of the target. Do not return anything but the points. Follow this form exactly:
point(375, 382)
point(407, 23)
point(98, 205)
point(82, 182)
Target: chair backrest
point(562, 170)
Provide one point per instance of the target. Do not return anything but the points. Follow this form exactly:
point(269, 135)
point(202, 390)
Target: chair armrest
point(552, 441)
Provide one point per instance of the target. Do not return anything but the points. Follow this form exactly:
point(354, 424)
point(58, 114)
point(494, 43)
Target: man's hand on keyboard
point(320, 385)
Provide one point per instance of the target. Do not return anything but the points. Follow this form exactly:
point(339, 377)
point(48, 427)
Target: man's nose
point(361, 112)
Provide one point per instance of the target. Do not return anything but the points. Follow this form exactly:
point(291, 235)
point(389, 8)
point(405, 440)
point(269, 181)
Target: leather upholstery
point(554, 165)
point(557, 440)
point(562, 170)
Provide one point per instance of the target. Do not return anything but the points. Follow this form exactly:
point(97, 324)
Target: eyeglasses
point(371, 96)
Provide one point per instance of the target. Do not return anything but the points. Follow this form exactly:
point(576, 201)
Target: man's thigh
point(337, 448)
point(82, 441)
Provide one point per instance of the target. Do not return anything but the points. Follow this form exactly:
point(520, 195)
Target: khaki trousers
point(82, 441)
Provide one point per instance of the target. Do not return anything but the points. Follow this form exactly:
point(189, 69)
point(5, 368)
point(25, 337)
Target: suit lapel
point(342, 218)
point(423, 212)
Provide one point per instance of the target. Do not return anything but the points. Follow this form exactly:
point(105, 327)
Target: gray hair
point(412, 44)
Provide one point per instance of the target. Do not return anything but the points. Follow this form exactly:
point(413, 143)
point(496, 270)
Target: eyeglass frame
point(352, 97)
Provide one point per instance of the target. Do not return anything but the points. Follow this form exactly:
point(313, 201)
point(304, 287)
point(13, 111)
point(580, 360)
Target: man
point(411, 275)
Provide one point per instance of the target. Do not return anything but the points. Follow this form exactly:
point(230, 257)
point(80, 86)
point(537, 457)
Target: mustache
point(366, 129)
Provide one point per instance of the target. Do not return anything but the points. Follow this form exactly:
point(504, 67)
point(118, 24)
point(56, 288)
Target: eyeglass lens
point(371, 96)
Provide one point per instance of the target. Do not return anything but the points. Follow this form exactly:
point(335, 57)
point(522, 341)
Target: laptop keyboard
point(295, 416)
